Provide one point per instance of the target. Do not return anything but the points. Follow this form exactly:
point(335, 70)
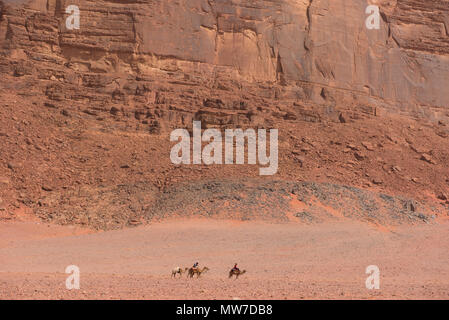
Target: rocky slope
point(86, 114)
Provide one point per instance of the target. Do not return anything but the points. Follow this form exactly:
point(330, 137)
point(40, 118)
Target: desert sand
point(283, 261)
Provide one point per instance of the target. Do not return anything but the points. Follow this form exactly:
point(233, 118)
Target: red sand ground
point(283, 261)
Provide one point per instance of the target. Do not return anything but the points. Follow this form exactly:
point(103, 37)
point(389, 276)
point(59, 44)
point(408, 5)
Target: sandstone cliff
point(298, 50)
point(136, 69)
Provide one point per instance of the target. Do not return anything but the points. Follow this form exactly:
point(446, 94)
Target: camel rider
point(195, 265)
point(235, 267)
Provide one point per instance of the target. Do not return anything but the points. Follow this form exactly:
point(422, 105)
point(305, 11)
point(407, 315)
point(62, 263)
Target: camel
point(179, 270)
point(198, 271)
point(236, 273)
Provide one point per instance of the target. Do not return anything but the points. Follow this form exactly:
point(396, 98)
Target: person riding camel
point(235, 268)
point(195, 265)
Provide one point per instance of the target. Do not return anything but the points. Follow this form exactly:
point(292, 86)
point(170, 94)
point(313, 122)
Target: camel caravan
point(235, 271)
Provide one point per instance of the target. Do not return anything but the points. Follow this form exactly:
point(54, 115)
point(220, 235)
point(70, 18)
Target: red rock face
point(300, 47)
point(145, 67)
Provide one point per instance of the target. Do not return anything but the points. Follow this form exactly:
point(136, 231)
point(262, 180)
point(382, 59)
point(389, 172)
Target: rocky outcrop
point(85, 113)
point(173, 54)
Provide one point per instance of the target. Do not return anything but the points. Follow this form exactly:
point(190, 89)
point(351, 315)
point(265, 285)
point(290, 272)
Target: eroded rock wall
point(85, 115)
point(310, 50)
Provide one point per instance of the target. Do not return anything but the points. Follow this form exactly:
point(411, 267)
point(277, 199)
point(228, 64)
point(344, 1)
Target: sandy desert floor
point(283, 261)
